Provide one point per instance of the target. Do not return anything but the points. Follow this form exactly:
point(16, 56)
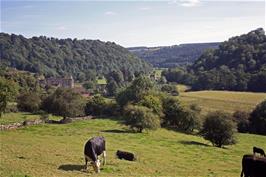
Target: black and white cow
point(94, 148)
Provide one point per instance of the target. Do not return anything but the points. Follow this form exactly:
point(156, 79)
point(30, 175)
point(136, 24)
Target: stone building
point(65, 82)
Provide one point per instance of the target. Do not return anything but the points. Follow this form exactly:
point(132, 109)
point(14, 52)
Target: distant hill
point(172, 56)
point(238, 64)
point(58, 57)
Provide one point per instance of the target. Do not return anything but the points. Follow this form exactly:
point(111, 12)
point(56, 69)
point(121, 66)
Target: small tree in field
point(140, 118)
point(219, 128)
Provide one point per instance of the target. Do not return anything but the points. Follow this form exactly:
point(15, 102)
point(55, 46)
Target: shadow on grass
point(71, 167)
point(193, 143)
point(117, 131)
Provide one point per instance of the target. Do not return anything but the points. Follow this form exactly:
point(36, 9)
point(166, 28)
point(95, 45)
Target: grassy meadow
point(57, 150)
point(228, 101)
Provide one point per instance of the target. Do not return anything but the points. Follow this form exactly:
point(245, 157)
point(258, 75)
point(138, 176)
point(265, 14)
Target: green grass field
point(222, 100)
point(57, 150)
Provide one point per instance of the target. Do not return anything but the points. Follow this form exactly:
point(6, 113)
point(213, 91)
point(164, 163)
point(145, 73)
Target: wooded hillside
point(172, 56)
point(52, 57)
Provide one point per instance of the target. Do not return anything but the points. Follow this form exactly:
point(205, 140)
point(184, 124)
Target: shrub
point(241, 119)
point(11, 108)
point(154, 103)
point(64, 102)
point(95, 106)
point(140, 118)
point(135, 92)
point(111, 109)
point(195, 107)
point(218, 128)
point(258, 119)
point(171, 110)
point(179, 117)
point(29, 102)
point(188, 120)
point(171, 89)
point(8, 91)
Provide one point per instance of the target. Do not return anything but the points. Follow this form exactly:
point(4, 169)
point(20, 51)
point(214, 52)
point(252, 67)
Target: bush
point(241, 119)
point(29, 102)
point(140, 118)
point(258, 119)
point(98, 106)
point(219, 128)
point(195, 108)
point(95, 106)
point(171, 110)
point(154, 103)
point(64, 102)
point(188, 120)
point(179, 117)
point(135, 92)
point(171, 89)
point(11, 108)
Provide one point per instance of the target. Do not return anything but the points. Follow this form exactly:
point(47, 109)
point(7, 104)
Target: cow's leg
point(104, 157)
point(96, 166)
point(86, 163)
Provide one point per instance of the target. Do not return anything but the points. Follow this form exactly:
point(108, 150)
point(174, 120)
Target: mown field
point(57, 150)
point(221, 100)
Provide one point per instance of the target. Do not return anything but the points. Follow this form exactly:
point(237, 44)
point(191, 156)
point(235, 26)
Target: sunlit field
point(57, 150)
point(223, 100)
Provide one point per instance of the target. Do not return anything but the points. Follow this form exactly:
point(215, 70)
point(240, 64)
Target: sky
point(133, 22)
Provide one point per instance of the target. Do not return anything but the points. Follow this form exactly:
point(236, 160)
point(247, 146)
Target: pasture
point(228, 101)
point(57, 150)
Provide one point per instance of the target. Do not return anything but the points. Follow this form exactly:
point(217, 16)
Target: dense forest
point(238, 64)
point(58, 57)
point(172, 56)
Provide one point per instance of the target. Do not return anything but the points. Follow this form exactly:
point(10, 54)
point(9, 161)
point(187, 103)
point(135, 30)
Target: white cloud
point(110, 13)
point(189, 3)
point(61, 28)
point(185, 3)
point(144, 8)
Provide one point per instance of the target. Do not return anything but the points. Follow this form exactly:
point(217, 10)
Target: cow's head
point(96, 166)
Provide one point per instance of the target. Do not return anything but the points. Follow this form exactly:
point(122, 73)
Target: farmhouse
point(65, 82)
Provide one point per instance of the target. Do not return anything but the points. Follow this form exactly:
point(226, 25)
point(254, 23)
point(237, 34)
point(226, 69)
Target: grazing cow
point(94, 148)
point(125, 155)
point(253, 166)
point(259, 151)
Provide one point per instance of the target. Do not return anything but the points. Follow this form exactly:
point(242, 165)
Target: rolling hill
point(58, 57)
point(172, 56)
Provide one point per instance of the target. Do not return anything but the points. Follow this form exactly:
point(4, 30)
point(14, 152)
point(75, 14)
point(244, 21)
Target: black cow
point(94, 148)
point(125, 155)
point(253, 166)
point(259, 151)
